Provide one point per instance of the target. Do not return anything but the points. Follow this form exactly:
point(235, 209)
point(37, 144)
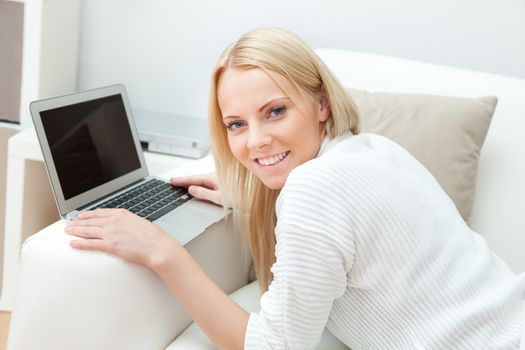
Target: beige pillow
point(444, 133)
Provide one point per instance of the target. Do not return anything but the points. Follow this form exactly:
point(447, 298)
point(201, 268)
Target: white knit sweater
point(369, 245)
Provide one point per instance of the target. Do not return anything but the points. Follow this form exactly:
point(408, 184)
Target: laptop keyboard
point(151, 200)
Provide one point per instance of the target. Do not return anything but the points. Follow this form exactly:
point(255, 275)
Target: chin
point(274, 184)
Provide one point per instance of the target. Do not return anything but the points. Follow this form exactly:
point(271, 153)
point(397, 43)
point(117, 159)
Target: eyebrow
point(263, 106)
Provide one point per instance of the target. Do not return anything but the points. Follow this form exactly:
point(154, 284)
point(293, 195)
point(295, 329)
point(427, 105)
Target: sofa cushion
point(444, 133)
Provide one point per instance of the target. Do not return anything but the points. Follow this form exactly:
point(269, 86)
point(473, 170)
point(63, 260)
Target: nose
point(258, 137)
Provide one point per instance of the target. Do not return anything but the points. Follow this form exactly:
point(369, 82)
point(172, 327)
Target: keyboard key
point(165, 201)
point(163, 211)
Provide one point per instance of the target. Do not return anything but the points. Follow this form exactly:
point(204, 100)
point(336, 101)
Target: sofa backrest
point(499, 204)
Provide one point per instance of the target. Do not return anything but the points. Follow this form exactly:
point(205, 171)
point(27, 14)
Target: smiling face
point(269, 131)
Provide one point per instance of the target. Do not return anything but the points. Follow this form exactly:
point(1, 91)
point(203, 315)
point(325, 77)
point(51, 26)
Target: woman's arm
point(217, 314)
point(136, 240)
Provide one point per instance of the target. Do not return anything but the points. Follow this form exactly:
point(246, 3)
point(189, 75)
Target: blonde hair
point(253, 204)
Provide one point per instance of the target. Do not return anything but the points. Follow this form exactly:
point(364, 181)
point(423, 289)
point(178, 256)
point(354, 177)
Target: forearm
point(217, 314)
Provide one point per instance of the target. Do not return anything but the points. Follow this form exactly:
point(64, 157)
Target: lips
point(272, 160)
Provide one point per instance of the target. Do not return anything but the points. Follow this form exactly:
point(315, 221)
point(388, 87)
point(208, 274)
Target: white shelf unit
point(49, 67)
point(50, 51)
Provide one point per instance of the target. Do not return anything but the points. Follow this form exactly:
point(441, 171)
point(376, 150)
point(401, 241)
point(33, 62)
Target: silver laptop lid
point(89, 143)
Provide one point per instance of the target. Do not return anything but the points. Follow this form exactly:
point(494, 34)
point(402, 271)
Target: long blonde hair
point(253, 204)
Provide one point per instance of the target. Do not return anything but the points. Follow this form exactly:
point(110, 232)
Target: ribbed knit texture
point(369, 245)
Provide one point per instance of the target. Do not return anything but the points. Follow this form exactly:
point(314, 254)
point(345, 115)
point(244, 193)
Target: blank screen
point(91, 143)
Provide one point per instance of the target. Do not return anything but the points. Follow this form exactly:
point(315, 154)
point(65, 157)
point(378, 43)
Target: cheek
point(308, 139)
point(238, 147)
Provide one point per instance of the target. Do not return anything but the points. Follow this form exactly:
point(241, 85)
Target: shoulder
point(358, 171)
point(345, 162)
point(326, 180)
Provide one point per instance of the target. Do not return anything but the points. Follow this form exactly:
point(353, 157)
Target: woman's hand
point(204, 187)
point(123, 234)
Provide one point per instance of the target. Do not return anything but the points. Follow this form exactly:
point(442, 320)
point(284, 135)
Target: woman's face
point(270, 132)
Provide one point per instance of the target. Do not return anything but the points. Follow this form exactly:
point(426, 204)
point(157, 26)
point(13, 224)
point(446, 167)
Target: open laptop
point(94, 160)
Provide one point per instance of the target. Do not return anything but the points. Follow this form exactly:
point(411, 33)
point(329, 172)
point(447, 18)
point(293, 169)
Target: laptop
point(94, 160)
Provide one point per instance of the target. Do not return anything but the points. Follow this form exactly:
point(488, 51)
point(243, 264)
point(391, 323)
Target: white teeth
point(272, 160)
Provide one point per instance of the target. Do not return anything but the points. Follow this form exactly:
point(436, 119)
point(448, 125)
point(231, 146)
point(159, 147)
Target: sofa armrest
point(71, 299)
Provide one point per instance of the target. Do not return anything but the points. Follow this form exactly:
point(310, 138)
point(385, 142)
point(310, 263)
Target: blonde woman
point(346, 231)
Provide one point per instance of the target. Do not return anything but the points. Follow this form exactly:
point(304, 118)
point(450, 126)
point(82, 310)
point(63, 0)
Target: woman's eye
point(234, 125)
point(278, 111)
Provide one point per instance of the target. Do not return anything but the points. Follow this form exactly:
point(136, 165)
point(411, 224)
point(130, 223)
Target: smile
point(272, 160)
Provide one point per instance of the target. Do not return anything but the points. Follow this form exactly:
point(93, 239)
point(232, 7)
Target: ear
point(324, 107)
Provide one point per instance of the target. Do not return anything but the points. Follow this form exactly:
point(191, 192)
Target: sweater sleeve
point(314, 252)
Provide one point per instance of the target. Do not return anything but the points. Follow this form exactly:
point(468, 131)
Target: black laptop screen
point(91, 143)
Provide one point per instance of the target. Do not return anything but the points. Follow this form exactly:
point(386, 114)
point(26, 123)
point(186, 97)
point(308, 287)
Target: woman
point(346, 231)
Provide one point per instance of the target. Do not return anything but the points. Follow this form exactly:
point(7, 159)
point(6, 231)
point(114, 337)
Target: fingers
point(98, 213)
point(90, 221)
point(206, 180)
point(205, 194)
point(84, 231)
point(91, 224)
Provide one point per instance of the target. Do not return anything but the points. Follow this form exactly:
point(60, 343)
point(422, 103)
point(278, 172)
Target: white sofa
point(68, 299)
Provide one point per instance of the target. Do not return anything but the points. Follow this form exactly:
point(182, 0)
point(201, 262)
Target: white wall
point(164, 50)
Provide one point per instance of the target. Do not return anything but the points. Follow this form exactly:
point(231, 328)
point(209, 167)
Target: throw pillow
point(444, 133)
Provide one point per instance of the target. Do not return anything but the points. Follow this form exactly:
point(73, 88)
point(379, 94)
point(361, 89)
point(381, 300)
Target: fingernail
point(67, 229)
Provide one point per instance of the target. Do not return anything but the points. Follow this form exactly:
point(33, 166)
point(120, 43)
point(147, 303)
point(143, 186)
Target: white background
point(164, 50)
